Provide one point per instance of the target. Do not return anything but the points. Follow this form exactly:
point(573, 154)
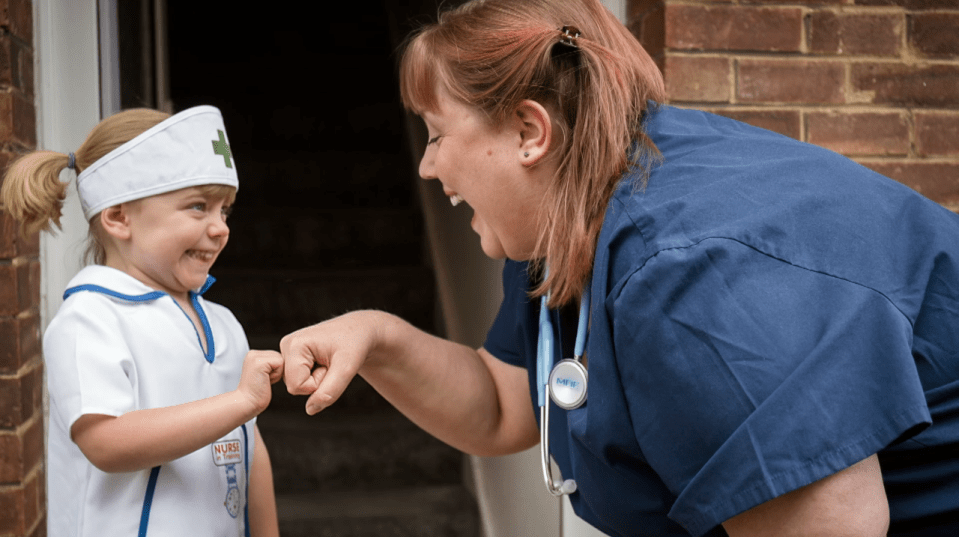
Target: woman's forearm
point(463, 396)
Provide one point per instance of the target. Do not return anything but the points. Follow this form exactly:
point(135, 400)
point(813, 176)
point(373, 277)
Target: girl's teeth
point(456, 199)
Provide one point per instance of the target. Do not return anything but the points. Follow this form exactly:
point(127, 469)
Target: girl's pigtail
point(32, 191)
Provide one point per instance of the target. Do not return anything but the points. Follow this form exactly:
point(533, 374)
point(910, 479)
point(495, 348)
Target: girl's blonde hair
point(32, 191)
point(493, 54)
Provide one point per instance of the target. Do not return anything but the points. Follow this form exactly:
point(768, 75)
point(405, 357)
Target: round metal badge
point(567, 384)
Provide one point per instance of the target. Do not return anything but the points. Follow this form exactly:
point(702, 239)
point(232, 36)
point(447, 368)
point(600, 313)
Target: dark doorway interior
point(327, 220)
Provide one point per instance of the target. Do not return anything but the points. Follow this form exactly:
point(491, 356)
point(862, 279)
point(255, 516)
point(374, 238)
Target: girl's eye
point(226, 211)
point(198, 206)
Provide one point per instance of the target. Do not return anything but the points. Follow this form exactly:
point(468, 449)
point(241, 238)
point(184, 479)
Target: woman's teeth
point(456, 199)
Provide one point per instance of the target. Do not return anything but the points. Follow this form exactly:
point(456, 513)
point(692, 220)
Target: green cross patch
point(220, 148)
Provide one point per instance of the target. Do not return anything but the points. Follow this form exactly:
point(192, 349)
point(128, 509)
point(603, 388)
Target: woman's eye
point(433, 140)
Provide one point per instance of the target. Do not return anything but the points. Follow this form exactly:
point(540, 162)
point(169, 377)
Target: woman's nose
point(427, 170)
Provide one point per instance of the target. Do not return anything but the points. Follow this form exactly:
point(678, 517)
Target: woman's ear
point(536, 131)
point(116, 222)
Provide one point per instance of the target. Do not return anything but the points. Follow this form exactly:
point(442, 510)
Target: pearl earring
point(526, 154)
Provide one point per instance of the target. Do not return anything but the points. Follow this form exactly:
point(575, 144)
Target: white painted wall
point(68, 106)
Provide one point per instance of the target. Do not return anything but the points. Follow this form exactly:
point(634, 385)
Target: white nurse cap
point(186, 149)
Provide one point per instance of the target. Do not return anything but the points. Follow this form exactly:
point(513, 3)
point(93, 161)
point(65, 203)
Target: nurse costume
point(117, 345)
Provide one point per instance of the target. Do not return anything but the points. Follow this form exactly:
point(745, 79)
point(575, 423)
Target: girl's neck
point(182, 299)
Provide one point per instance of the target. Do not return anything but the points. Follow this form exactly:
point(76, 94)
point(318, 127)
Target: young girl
point(152, 404)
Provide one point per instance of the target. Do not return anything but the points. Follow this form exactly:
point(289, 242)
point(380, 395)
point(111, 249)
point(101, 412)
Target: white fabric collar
point(116, 281)
point(184, 150)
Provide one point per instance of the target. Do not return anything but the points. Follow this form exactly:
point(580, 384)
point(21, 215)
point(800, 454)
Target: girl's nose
point(218, 227)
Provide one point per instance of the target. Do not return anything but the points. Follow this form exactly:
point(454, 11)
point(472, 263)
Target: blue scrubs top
point(765, 313)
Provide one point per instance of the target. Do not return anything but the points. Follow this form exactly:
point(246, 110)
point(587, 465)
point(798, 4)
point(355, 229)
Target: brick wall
point(875, 80)
point(22, 505)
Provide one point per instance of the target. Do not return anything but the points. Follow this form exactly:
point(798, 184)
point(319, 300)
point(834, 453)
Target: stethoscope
point(565, 382)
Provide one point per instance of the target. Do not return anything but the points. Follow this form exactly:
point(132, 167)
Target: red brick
point(855, 34)
point(860, 134)
point(934, 35)
point(790, 81)
point(11, 403)
point(937, 134)
point(698, 79)
point(26, 72)
point(32, 501)
point(9, 345)
point(638, 8)
point(8, 236)
point(9, 301)
point(11, 510)
point(31, 391)
point(28, 285)
point(693, 27)
point(17, 17)
point(24, 115)
point(785, 122)
point(41, 526)
point(17, 120)
point(28, 246)
point(40, 530)
point(937, 181)
point(911, 4)
point(11, 458)
point(649, 27)
point(910, 85)
point(29, 337)
point(8, 60)
point(32, 442)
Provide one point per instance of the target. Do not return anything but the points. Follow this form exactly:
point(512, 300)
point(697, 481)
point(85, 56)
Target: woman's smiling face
point(484, 165)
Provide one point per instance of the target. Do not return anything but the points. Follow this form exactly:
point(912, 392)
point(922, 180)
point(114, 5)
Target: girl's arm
point(262, 500)
point(146, 438)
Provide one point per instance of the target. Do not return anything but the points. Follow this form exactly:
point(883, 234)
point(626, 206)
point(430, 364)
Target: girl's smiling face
point(173, 240)
point(488, 167)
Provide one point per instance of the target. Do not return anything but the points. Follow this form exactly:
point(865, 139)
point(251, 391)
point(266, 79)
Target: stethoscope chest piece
point(567, 384)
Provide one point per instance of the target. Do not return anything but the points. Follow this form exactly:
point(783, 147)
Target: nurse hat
point(184, 150)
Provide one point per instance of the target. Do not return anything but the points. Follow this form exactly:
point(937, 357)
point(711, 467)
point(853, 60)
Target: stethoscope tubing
point(544, 367)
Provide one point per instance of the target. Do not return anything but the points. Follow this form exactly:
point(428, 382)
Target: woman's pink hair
point(493, 54)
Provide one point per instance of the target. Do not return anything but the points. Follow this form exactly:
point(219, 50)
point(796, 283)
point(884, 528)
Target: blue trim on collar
point(146, 297)
point(154, 295)
point(206, 285)
point(204, 322)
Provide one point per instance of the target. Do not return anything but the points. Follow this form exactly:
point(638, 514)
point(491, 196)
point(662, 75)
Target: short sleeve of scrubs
point(88, 363)
point(507, 339)
point(747, 377)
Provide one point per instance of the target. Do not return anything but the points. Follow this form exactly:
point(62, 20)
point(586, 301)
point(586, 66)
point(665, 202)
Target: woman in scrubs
point(765, 332)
